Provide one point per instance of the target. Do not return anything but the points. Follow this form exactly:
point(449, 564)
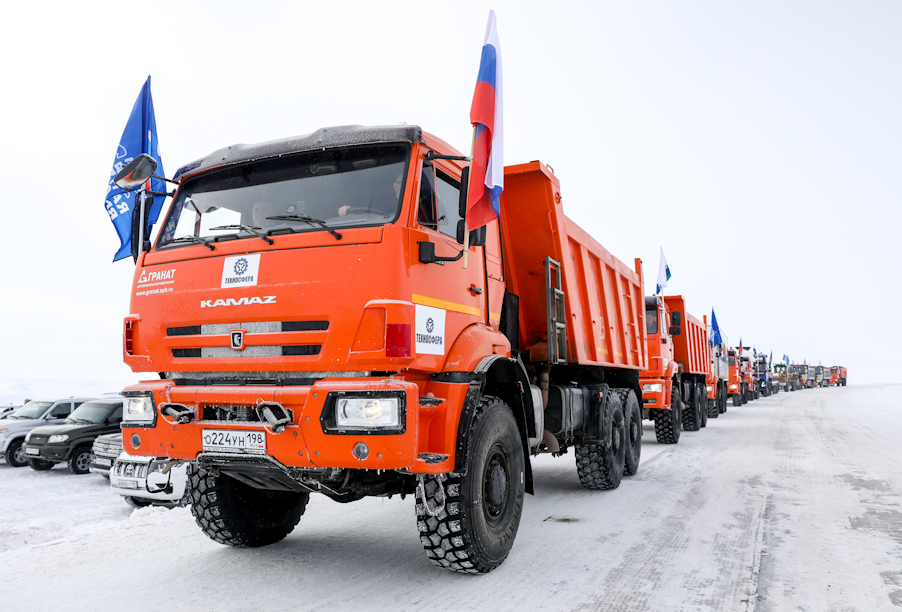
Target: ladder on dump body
point(557, 318)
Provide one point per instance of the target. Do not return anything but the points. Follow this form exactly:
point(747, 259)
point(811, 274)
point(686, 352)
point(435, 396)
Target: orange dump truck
point(736, 387)
point(315, 332)
point(679, 358)
point(838, 376)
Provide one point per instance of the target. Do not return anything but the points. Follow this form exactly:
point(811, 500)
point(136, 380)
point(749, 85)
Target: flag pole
point(466, 227)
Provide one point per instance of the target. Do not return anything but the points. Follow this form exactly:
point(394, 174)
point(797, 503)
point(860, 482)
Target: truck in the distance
point(786, 376)
point(764, 381)
point(735, 384)
point(718, 378)
point(679, 359)
point(316, 332)
point(838, 376)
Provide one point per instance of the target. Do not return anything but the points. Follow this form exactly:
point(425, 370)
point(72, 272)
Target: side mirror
point(477, 237)
point(674, 330)
point(676, 318)
point(427, 254)
point(136, 172)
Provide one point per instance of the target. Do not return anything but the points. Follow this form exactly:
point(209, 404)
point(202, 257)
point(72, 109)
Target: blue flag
point(139, 136)
point(715, 330)
point(785, 358)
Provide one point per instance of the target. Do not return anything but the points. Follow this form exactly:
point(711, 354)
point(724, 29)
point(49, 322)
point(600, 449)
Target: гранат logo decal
point(430, 325)
point(240, 271)
point(240, 267)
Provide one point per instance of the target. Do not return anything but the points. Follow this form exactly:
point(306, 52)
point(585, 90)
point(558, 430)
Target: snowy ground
point(788, 503)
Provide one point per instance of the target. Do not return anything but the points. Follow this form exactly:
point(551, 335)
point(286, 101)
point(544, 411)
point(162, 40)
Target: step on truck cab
point(718, 378)
point(315, 332)
point(679, 360)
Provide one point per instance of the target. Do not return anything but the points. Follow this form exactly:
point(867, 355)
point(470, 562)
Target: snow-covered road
point(788, 503)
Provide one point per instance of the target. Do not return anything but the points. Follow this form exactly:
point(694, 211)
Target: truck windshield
point(31, 410)
point(348, 187)
point(779, 369)
point(651, 320)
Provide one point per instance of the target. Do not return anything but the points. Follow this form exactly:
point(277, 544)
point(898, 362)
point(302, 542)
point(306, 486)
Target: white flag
point(663, 273)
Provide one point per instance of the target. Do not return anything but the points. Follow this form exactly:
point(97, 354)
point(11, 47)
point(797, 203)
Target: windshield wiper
point(309, 220)
point(247, 228)
point(195, 240)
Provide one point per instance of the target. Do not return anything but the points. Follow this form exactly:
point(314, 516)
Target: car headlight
point(139, 408)
point(652, 388)
point(367, 412)
point(56, 439)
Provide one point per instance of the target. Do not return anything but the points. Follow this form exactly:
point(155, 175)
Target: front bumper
point(129, 479)
point(655, 399)
point(47, 452)
point(101, 464)
point(426, 444)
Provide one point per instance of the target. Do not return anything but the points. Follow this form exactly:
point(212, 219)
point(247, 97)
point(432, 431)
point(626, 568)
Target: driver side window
point(426, 207)
point(61, 411)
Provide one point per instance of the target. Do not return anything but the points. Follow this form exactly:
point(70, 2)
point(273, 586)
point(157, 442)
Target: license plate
point(234, 441)
point(127, 484)
point(106, 462)
point(32, 451)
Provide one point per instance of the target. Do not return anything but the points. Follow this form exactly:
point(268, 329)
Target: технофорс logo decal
point(240, 266)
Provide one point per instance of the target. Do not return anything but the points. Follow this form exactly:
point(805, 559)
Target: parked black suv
point(51, 444)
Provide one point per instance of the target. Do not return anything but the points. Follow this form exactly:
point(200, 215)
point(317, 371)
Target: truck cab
point(735, 384)
point(804, 379)
point(763, 376)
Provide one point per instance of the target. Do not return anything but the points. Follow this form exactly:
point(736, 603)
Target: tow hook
point(274, 414)
point(421, 489)
point(181, 413)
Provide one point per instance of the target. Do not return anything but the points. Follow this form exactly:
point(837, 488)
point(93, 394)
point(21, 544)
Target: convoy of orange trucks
point(315, 331)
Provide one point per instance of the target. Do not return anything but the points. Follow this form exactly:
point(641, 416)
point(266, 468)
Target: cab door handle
point(474, 290)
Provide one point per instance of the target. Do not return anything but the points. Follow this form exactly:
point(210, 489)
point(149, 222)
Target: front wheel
point(667, 422)
point(15, 454)
point(468, 522)
point(80, 460)
point(233, 513)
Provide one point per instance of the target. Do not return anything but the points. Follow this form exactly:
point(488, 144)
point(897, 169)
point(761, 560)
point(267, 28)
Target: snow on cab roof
point(323, 138)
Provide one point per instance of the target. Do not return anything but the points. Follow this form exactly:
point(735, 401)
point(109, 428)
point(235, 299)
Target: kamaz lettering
point(245, 301)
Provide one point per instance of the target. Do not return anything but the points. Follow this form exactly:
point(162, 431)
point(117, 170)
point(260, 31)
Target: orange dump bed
point(690, 348)
point(604, 302)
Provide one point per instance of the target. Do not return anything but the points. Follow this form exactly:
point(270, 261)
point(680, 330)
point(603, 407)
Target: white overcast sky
point(758, 142)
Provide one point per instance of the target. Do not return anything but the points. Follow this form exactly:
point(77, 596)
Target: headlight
point(367, 412)
point(732, 386)
point(138, 409)
point(708, 388)
point(58, 438)
point(652, 388)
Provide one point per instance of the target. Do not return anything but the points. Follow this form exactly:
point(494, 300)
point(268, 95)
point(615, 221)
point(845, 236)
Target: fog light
point(136, 441)
point(361, 451)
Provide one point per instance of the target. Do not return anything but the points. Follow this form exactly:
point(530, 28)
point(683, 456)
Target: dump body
point(604, 303)
point(691, 348)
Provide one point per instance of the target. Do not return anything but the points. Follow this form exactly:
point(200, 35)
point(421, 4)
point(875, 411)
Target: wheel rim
point(19, 455)
point(616, 436)
point(83, 461)
point(634, 432)
point(496, 484)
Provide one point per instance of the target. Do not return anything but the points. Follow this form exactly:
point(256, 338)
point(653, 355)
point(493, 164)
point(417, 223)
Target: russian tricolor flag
point(487, 167)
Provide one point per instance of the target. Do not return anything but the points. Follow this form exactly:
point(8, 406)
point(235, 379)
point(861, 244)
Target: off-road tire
point(600, 465)
point(233, 513)
point(80, 460)
point(737, 400)
point(468, 522)
point(137, 502)
point(713, 408)
point(724, 400)
point(702, 404)
point(692, 413)
point(633, 416)
point(40, 465)
point(668, 422)
point(15, 453)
